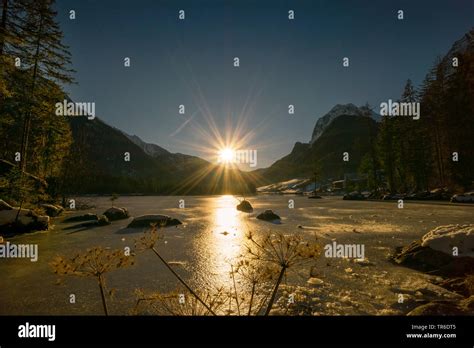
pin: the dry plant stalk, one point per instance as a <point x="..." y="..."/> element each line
<point x="169" y="304"/>
<point x="94" y="262"/>
<point x="257" y="276"/>
<point x="148" y="241"/>
<point x="283" y="251"/>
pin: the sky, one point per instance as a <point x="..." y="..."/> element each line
<point x="190" y="62"/>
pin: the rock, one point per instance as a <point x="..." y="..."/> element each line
<point x="315" y="281"/>
<point x="363" y="262"/>
<point x="393" y="197"/>
<point x="419" y="294"/>
<point x="419" y="196"/>
<point x="408" y="304"/>
<point x="314" y="196"/>
<point x="440" y="194"/>
<point x="52" y="210"/>
<point x="346" y="300"/>
<point x="444" y="238"/>
<point x="467" y="305"/>
<point x="4" y="205"/>
<point x="160" y="220"/>
<point x="437" y="308"/>
<point x="268" y="215"/>
<point x="103" y="221"/>
<point x="437" y="262"/>
<point x="85" y="217"/>
<point x="429" y="291"/>
<point x="115" y="213"/>
<point x="458" y="285"/>
<point x="28" y="221"/>
<point x="354" y="196"/>
<point x="463" y="198"/>
<point x="245" y="206"/>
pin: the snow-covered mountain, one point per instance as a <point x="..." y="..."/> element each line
<point x="339" y="110"/>
<point x="152" y="150"/>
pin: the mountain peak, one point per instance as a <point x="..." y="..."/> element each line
<point x="152" y="150"/>
<point x="344" y="107"/>
<point x="339" y="110"/>
<point x="464" y="44"/>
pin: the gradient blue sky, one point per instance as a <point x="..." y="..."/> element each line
<point x="281" y="62"/>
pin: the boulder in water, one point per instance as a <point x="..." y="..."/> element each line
<point x="52" y="210"/>
<point x="100" y="220"/>
<point x="245" y="206"/>
<point x="434" y="252"/>
<point x="445" y="238"/>
<point x="115" y="213"/>
<point x="4" y="205"/>
<point x="159" y="220"/>
<point x="103" y="220"/>
<point x="268" y="215"/>
<point x="85" y="217"/>
<point x="354" y="196"/>
<point x="463" y="198"/>
<point x="28" y="221"/>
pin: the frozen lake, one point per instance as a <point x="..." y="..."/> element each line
<point x="212" y="237"/>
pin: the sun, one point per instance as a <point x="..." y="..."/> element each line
<point x="226" y="155"/>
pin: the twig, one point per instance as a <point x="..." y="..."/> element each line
<point x="183" y="282"/>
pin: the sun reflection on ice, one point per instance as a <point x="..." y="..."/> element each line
<point x="225" y="238"/>
<point x="226" y="215"/>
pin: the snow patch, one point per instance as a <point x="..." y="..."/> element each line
<point x="445" y="238"/>
<point x="339" y="110"/>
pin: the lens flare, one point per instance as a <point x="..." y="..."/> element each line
<point x="226" y="155"/>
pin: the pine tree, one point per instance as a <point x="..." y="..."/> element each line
<point x="385" y="151"/>
<point x="28" y="123"/>
<point x="44" y="57"/>
<point x="459" y="125"/>
<point x="372" y="155"/>
<point x="3" y="39"/>
<point x="11" y="18"/>
<point x="11" y="12"/>
<point x="433" y="105"/>
<point x="414" y="144"/>
<point x="403" y="129"/>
